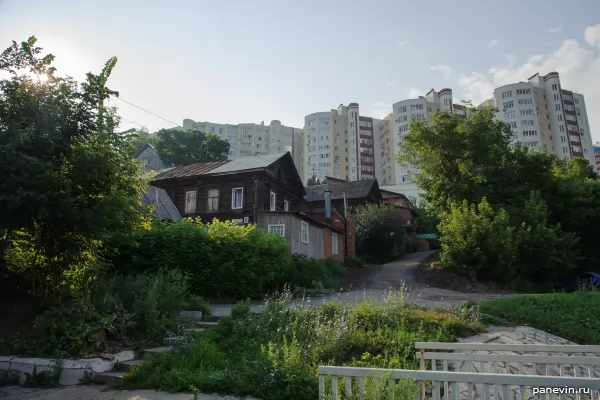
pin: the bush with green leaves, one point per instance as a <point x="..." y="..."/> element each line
<point x="274" y="354"/>
<point x="379" y="231"/>
<point x="309" y="272"/>
<point x="223" y="259"/>
<point x="121" y="309"/>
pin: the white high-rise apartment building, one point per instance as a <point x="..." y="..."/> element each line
<point x="545" y="116"/>
<point x="339" y="143"/>
<point x="393" y="128"/>
<point x="254" y="139"/>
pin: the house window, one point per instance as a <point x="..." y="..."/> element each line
<point x="276" y="230"/>
<point x="334" y="243"/>
<point x="286" y="205"/>
<point x="190" y="202"/>
<point x="304" y="232"/>
<point x="213" y="200"/>
<point x="237" y="198"/>
<point x="272" y="201"/>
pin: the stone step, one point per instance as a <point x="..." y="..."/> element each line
<point x="156" y="350"/>
<point x="206" y="324"/>
<point x="170" y="341"/>
<point x="189" y="331"/>
<point x="127" y="365"/>
<point x="195" y="315"/>
<point x="108" y="378"/>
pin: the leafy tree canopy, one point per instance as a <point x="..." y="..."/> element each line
<point x="313" y="181"/>
<point x="67" y="179"/>
<point x="179" y="147"/>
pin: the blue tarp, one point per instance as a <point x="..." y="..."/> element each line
<point x="429" y="236"/>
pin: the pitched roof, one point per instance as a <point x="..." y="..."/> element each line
<point x="160" y="200"/>
<point x="353" y="189"/>
<point x="248" y="163"/>
<point x="389" y="193"/>
<point x="221" y="167"/>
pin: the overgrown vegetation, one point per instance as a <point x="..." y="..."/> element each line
<point x="116" y="311"/>
<point x="381" y="234"/>
<point x="507" y="213"/>
<point x="571" y="316"/>
<point x="274" y="354"/>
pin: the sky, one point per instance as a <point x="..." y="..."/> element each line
<point x="238" y="61"/>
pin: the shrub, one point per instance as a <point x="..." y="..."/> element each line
<point x="312" y="273"/>
<point x="222" y="258"/>
<point x="121" y="308"/>
<point x="275" y="354"/>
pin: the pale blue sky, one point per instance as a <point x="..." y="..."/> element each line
<point x="248" y="61"/>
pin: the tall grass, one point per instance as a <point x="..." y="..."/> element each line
<point x="274" y="354"/>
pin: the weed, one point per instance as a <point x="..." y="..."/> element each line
<point x="9" y="377"/>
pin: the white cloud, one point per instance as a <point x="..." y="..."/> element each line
<point x="380" y="110"/>
<point x="577" y="63"/>
<point x="555" y="30"/>
<point x="414" y="93"/>
<point x="493" y="43"/>
<point x="445" y="70"/>
<point x="592" y="35"/>
<point x="402" y="44"/>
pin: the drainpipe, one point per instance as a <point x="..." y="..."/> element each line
<point x="328" y="206"/>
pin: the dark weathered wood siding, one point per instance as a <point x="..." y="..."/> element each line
<point x="292" y="222"/>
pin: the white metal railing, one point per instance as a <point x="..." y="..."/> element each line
<point x="495" y="386"/>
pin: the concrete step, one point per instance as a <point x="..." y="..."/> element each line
<point x="192" y="330"/>
<point x="170" y="341"/>
<point x="127" y="365"/>
<point x="108" y="378"/>
<point x="206" y="324"/>
<point x="156" y="350"/>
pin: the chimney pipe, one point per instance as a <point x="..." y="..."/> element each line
<point x="328" y="206"/>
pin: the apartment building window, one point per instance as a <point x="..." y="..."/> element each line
<point x="530" y="133"/>
<point x="406" y="178"/>
<point x="569" y="107"/>
<point x="564" y="150"/>
<point x="523" y="91"/>
<point x="561" y="128"/>
<point x="572" y="128"/>
<point x="528" y="122"/>
<point x="525" y="101"/>
<point x="556" y="97"/>
<point x="571" y="118"/>
<point x="417" y="116"/>
<point x="304" y="232"/>
<point x="527" y="111"/>
<point x="402" y="118"/>
<point x="506" y="95"/>
<point x="416" y="107"/>
<point x="286" y="205"/>
<point x="213" y="200"/>
<point x="560" y="118"/>
<point x="272" y="201"/>
<point x="402" y="109"/>
<point x="220" y="131"/>
<point x="334" y="243"/>
<point x="509" y="115"/>
<point x="403" y="128"/>
<point x="554" y="86"/>
<point x="576" y="101"/>
<point x="513" y="124"/>
<point x="508" y="104"/>
<point x="237" y="198"/>
<point x="578" y="111"/>
<point x="276" y="229"/>
<point x="567" y="97"/>
<point x="190" y="201"/>
<point x="557" y="107"/>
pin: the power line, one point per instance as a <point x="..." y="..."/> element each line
<point x="149" y="112"/>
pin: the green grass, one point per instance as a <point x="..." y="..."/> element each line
<point x="573" y="316"/>
<point x="275" y="354"/>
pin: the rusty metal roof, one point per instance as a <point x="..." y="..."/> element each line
<point x="248" y="163"/>
<point x="189" y="170"/>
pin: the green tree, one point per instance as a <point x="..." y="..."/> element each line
<point x="313" y="181"/>
<point x="179" y="147"/>
<point x="428" y="220"/>
<point x="67" y="179"/>
<point x="141" y="137"/>
<point x="379" y="228"/>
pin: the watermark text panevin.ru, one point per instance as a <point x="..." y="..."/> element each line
<point x="565" y="390"/>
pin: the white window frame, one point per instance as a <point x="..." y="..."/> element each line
<point x="334" y="243"/>
<point x="272" y="201"/>
<point x="271" y="230"/>
<point x="233" y="207"/>
<point x="188" y="208"/>
<point x="208" y="202"/>
<point x="304" y="228"/>
<point x="286" y="205"/>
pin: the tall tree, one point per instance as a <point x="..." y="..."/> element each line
<point x="179" y="147"/>
<point x="142" y="137"/>
<point x="67" y="179"/>
<point x="313" y="181"/>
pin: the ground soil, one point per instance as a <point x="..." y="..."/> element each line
<point x="431" y="274"/>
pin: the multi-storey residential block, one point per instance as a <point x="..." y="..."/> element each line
<point x="597" y="157"/>
<point x="255" y="139"/>
<point x="339" y="143"/>
<point x="545" y="116"/>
